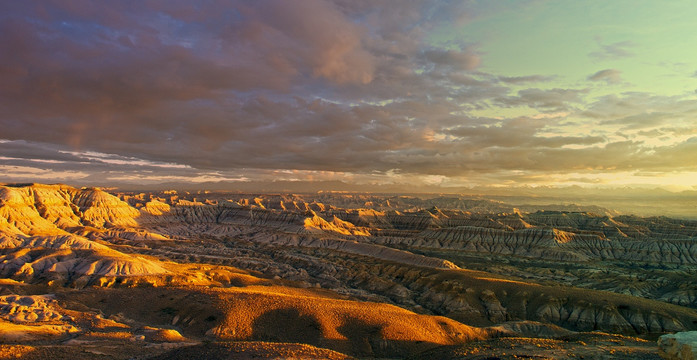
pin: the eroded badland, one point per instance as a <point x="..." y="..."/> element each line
<point x="91" y="274"/>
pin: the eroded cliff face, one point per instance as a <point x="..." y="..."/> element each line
<point x="40" y="209"/>
<point x="40" y="229"/>
<point x="412" y="253"/>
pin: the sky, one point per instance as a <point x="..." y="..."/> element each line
<point x="424" y="93"/>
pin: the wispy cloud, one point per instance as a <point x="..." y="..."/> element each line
<point x="616" y="50"/>
<point x="610" y="76"/>
<point x="525" y="79"/>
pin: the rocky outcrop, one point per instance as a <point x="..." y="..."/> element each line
<point x="678" y="346"/>
<point x="20" y="215"/>
<point x="552" y="244"/>
<point x="29" y="309"/>
<point x="35" y="234"/>
<point x="534" y="242"/>
<point x="337" y="225"/>
<point x="42" y="209"/>
<point x="101" y="209"/>
<point x="354" y="247"/>
<point x="533" y="329"/>
<point x="67" y="265"/>
<point x="458" y="224"/>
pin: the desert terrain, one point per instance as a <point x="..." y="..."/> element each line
<point x="101" y="274"/>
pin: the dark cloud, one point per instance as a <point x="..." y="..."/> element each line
<point x="35" y="151"/>
<point x="222" y="85"/>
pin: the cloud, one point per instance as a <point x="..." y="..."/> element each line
<point x="458" y="60"/>
<point x="610" y="76"/>
<point x="616" y="50"/>
<point x="311" y="33"/>
<point x="157" y="90"/>
<point x="642" y="111"/>
<point x="641" y="120"/>
<point x="553" y="100"/>
<point x="521" y="133"/>
<point x="525" y="79"/>
<point x="28" y="174"/>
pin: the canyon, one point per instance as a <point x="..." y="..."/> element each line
<point x="113" y="274"/>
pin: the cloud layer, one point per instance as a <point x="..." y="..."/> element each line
<point x="315" y="89"/>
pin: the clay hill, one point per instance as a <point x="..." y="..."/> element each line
<point x="91" y="274"/>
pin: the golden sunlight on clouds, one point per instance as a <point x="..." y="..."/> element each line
<point x="26" y="173"/>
